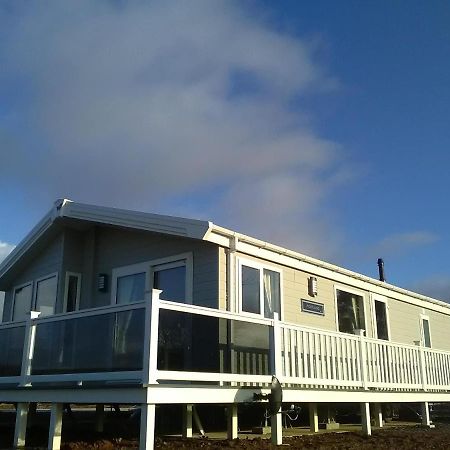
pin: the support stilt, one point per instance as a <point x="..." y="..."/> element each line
<point x="99" y="418"/>
<point x="147" y="432"/>
<point x="425" y="410"/>
<point x="378" y="415"/>
<point x="277" y="429"/>
<point x="197" y="421"/>
<point x="54" y="434"/>
<point x="187" y="421"/>
<point x="21" y="424"/>
<point x="232" y="426"/>
<point x="313" y="418"/>
<point x="365" y="419"/>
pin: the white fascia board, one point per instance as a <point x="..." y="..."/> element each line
<point x="270" y="252"/>
<point x="176" y="226"/>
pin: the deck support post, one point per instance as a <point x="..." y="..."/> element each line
<point x="425" y="410"/>
<point x="99" y="418"/>
<point x="54" y="433"/>
<point x="313" y="418"/>
<point x="232" y="422"/>
<point x="276" y="421"/>
<point x="365" y="418"/>
<point x="187" y="421"/>
<point x="378" y="415"/>
<point x="20" y="428"/>
<point x="276" y="429"/>
<point x="197" y="421"/>
<point x="147" y="431"/>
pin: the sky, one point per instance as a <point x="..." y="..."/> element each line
<point x="321" y="126"/>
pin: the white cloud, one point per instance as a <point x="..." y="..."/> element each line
<point x="5" y="250"/>
<point x="400" y="243"/>
<point x="136" y="104"/>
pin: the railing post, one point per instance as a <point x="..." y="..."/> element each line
<point x="423" y="370"/>
<point x="276" y="366"/>
<point x="28" y="348"/>
<point x="362" y="358"/>
<point x="150" y="364"/>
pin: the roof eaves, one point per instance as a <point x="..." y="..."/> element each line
<point x="171" y="225"/>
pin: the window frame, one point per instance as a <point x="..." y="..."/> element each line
<point x="422" y="331"/>
<point x="259" y="266"/>
<point x="13" y="304"/>
<point x="350" y="290"/>
<point x="148" y="267"/>
<point x="66" y="290"/>
<point x="382" y="299"/>
<point x="35" y="290"/>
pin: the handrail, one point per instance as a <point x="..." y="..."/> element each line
<point x="6" y="325"/>
<point x="211" y="312"/>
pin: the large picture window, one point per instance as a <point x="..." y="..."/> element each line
<point x="259" y="289"/>
<point x="350" y="311"/>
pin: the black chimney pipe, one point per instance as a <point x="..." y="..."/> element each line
<point x="381" y="269"/>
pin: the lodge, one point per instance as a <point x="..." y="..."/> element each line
<point x="109" y="306"/>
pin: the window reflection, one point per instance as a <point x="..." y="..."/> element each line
<point x="172" y="282"/>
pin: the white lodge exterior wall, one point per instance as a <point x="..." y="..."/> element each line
<point x="404" y="319"/>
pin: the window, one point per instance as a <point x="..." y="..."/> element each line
<point x="72" y="292"/>
<point x="380" y="318"/>
<point x="426" y="334"/>
<point x="45" y="297"/>
<point x="130" y="288"/>
<point x="172" y="275"/>
<point x="22" y="301"/>
<point x="350" y="311"/>
<point x="259" y="289"/>
<point x="171" y="279"/>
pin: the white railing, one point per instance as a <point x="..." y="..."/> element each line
<point x="138" y="345"/>
<point x="304" y="357"/>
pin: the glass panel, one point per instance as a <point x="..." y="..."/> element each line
<point x="72" y="293"/>
<point x="102" y="343"/>
<point x="172" y="282"/>
<point x="250" y="290"/>
<point x="271" y="293"/>
<point x="426" y="333"/>
<point x="22" y="302"/>
<point x="381" y="318"/>
<point x="207" y="344"/>
<point x="131" y="288"/>
<point x="46" y="296"/>
<point x="350" y="312"/>
<point x="11" y="350"/>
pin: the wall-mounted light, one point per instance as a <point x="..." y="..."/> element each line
<point x="312" y="286"/>
<point x="102" y="282"/>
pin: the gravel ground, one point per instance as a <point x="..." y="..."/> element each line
<point x="402" y="437"/>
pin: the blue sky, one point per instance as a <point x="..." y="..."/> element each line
<point x="322" y="126"/>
